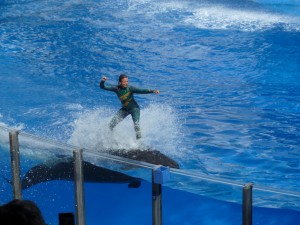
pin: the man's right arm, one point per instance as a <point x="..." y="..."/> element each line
<point x="106" y="87"/>
<point x="101" y="84"/>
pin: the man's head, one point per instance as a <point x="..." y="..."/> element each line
<point x="123" y="81"/>
<point x="21" y="212"/>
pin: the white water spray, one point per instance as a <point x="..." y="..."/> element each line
<point x="160" y="129"/>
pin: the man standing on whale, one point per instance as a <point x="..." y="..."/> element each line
<point x="129" y="105"/>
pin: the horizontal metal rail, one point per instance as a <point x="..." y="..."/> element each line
<point x="156" y="187"/>
<point x="197" y="175"/>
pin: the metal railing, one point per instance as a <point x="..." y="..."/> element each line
<point x="79" y="182"/>
<point x="159" y="176"/>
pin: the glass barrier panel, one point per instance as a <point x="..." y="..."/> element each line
<point x="194" y="199"/>
<point x="117" y="191"/>
<point x="6" y="191"/>
<point x="275" y="206"/>
<point x="47" y="176"/>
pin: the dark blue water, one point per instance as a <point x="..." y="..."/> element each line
<point x="228" y="72"/>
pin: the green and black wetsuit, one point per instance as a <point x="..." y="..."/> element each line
<point x="129" y="105"/>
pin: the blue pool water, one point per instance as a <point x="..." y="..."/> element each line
<point x="228" y="72"/>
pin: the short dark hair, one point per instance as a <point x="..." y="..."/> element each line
<point x="21" y="212"/>
<point x="122" y="76"/>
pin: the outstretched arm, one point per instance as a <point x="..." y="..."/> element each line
<point x="143" y="91"/>
<point x="101" y="83"/>
<point x="105" y="87"/>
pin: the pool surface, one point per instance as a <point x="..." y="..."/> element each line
<point x="228" y="73"/>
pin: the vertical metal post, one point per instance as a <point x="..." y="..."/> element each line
<point x="247" y="204"/>
<point x="79" y="187"/>
<point x="15" y="164"/>
<point x="156" y="202"/>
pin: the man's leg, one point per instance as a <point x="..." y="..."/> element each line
<point x="120" y="115"/>
<point x="135" y="113"/>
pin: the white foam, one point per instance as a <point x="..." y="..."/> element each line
<point x="207" y="15"/>
<point x="159" y="126"/>
<point x="204" y="14"/>
<point x="285" y="2"/>
<point x="221" y="17"/>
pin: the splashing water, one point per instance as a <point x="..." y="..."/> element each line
<point x="159" y="125"/>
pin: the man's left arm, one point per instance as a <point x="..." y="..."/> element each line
<point x="143" y="91"/>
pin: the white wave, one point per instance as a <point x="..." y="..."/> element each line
<point x="207" y="15"/>
<point x="221" y="17"/>
<point x="284" y="2"/>
<point x="74" y="106"/>
<point x="203" y="14"/>
<point x="154" y="7"/>
<point x="159" y="126"/>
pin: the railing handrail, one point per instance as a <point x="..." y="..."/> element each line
<point x="182" y="172"/>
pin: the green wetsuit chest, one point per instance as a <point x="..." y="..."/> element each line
<point x="125" y="95"/>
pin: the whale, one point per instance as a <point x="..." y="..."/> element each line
<point x="146" y="154"/>
<point x="63" y="169"/>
